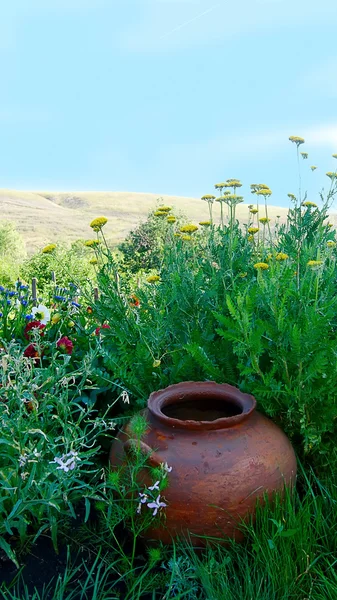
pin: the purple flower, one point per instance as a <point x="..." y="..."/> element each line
<point x="143" y="498"/>
<point x="157" y="505"/>
<point x="155" y="486"/>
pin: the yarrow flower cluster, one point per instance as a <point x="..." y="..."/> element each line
<point x="153" y="279"/>
<point x="98" y="223"/>
<point x="296" y="140"/>
<point x="48" y="249"/>
<point x="92" y="243"/>
<point x="188" y="228"/>
<point x="261" y="266"/>
<point x="314" y="263"/>
<point x="309" y="204"/>
<point x="281" y="256"/>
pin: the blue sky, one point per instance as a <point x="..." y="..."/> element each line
<point x="167" y="96"/>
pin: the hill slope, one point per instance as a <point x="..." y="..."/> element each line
<point x="44" y="217"/>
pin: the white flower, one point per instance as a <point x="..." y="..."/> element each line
<point x="23" y="459"/>
<point x="139" y="508"/>
<point x="155" y="486"/>
<point x="41" y="313"/>
<point x="166" y="468"/>
<point x="157" y="505"/>
<point x="67" y="462"/>
<point x="125" y="397"/>
<point x="143" y="498"/>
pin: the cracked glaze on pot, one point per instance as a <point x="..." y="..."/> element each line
<point x="223" y="454"/>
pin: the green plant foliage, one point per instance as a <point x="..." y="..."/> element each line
<point x="68" y="264"/>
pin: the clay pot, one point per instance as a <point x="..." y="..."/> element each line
<point x="223" y="453"/>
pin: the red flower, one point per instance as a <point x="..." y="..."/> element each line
<point x="98" y="329"/>
<point x="32" y="325"/>
<point x="31" y="352"/>
<point x="65" y="344"/>
<point x="134" y="300"/>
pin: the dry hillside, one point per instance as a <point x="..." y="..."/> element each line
<point x="43" y="217"/>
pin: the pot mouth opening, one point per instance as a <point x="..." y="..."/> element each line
<point x="202" y="409"/>
<point x="201" y="405"/>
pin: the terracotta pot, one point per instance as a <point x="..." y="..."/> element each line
<point x="223" y="453"/>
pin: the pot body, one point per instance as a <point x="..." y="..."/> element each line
<point x="223" y="459"/>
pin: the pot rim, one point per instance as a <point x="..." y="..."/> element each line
<point x="186" y="390"/>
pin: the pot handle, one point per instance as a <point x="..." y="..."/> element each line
<point x="152" y="457"/>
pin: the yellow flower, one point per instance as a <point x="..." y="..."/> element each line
<point x="250" y="238"/>
<point x="171" y="219"/>
<point x="71" y="324"/>
<point x="159" y="213"/>
<point x="93" y="261"/>
<point x="281" y="256"/>
<point x="48" y="249"/>
<point x="292" y="196"/>
<point x="331" y="244"/>
<point x="208" y="198"/>
<point x="331" y="175"/>
<point x="242" y="275"/>
<point x="92" y="243"/>
<point x="233" y="199"/>
<point x="264" y="220"/>
<point x="264" y="192"/>
<point x="253" y="229"/>
<point x="177" y="235"/>
<point x="98" y="223"/>
<point x="166" y="209"/>
<point x="218" y="186"/>
<point x="330" y="224"/>
<point x="314" y="263"/>
<point x="222" y="198"/>
<point x="205" y="223"/>
<point x="334" y="156"/>
<point x="254" y="211"/>
<point x="313" y="168"/>
<point x="187" y="238"/>
<point x="261" y="266"/>
<point x="55" y="318"/>
<point x="188" y="228"/>
<point x="296" y="140"/>
<point x="309" y="204"/>
<point x="156" y="363"/>
<point x="153" y="278"/>
<point x="304" y="154"/>
<point x="234" y="182"/>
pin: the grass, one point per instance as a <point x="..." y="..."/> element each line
<point x="45" y="217"/>
<point x="289" y="554"/>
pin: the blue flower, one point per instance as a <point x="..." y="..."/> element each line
<point x="28" y="317"/>
<point x="8" y="302"/>
<point x="60" y="298"/>
<point x="24" y="302"/>
<point x="2" y="289"/>
<point x="23" y="287"/>
<point x="0" y="314"/>
<point x="11" y="294"/>
<point x="76" y="304"/>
